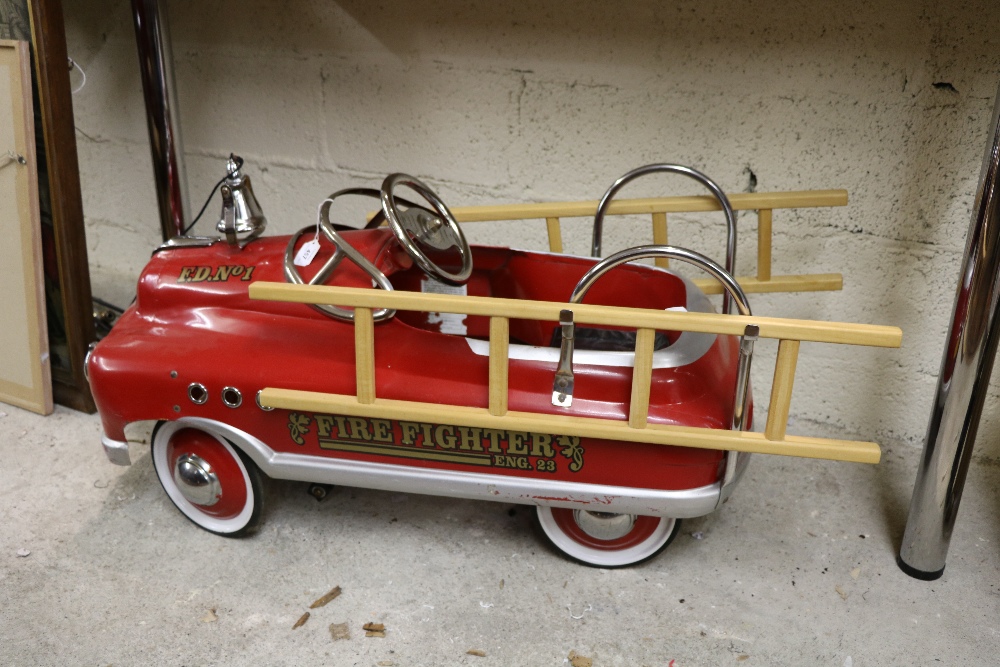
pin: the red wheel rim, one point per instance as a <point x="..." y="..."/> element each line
<point x="642" y="530"/>
<point x="233" y="498"/>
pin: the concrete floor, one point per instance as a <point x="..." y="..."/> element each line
<point x="798" y="569"/>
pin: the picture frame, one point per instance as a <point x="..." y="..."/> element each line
<point x="67" y="273"/>
<point x="25" y="378"/>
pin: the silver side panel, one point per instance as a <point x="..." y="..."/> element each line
<point x="388" y="477"/>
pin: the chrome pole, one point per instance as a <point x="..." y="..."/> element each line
<point x="152" y="38"/>
<point x="969" y="353"/>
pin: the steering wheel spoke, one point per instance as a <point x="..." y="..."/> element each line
<point x="341" y="249"/>
<point x="424" y="233"/>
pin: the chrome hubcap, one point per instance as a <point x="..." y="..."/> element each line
<point x="196" y="480"/>
<point x="604" y="525"/>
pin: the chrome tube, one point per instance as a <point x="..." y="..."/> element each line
<point x="709" y="266"/>
<point x="735" y="461"/>
<point x="662" y="251"/>
<point x="727" y="208"/>
<point x="750" y="335"/>
<point x="562" y="386"/>
<point x="152" y="39"/>
<point x="970" y="350"/>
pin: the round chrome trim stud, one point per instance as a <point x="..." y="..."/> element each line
<point x="259" y="404"/>
<point x="197" y="393"/>
<point x="604" y="525"/>
<point x="196" y="480"/>
<point x="232" y="397"/>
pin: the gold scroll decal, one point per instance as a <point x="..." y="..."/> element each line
<point x="487" y="447"/>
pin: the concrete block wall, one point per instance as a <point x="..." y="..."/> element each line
<point x="493" y="102"/>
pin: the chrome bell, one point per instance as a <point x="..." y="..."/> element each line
<point x="242" y="220"/>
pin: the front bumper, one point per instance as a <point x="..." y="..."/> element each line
<point x="117" y="451"/>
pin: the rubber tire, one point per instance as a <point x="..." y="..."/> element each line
<point x="247" y="522"/>
<point x="607" y="556"/>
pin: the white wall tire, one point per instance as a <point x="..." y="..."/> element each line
<point x="641" y="540"/>
<point x="235" y="508"/>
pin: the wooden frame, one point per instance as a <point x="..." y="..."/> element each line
<point x="773" y="441"/>
<point x="71" y="289"/>
<point x="25" y="380"/>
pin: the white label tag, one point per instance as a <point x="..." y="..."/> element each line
<point x="430" y="286"/>
<point x="306" y="253"/>
<point x="451" y="323"/>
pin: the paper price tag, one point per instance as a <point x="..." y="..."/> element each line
<point x="306" y="253"/>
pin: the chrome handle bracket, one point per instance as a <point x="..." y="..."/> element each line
<point x="562" y="385"/>
<point x="750" y="335"/>
<point x="733" y="458"/>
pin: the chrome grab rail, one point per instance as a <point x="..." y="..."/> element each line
<point x="712" y="186"/>
<point x="562" y="388"/>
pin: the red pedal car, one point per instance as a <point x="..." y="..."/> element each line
<point x="519" y="405"/>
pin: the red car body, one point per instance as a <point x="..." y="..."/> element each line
<point x="193" y="351"/>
